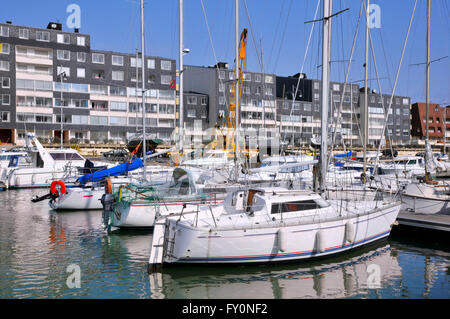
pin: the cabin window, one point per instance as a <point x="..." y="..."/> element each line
<point x="294" y="206"/>
<point x="66" y="156"/>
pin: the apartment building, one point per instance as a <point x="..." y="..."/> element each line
<point x="50" y="77"/>
<point x="257" y="109"/>
<point x="438" y="121"/>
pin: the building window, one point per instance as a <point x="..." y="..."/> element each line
<point x="81" y="57"/>
<point x="4" y="31"/>
<point x="316" y="96"/>
<point x="222" y="75"/>
<point x="191" y="113"/>
<point x="24" y="34"/>
<point x="5" y="83"/>
<point x="257" y="77"/>
<point x="405" y="101"/>
<point x="307" y="107"/>
<point x="203" y="100"/>
<point x="166" y="65"/>
<point x="221" y="100"/>
<point x="335" y="87"/>
<point x="4" y="48"/>
<point x="165" y="79"/>
<point x="43" y="36"/>
<point x="247" y="77"/>
<point x="81" y="41"/>
<point x="81" y="73"/>
<point x="117" y="75"/>
<point x="63" y="38"/>
<point x="63" y="54"/>
<point x="151" y="63"/>
<point x="151" y="79"/>
<point x="316" y="85"/>
<point x="192" y="100"/>
<point x="221" y="87"/>
<point x="61" y="69"/>
<point x="269" y="79"/>
<point x="5" y="99"/>
<point x="117" y="60"/>
<point x="98" y="58"/>
<point x="4" y="116"/>
<point x="269" y="91"/>
<point x="133" y="62"/>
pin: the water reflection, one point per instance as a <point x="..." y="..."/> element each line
<point x="340" y="277"/>
<point x="38" y="244"/>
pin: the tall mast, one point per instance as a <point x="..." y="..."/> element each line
<point x="236" y="77"/>
<point x="144" y="137"/>
<point x="181" y="47"/>
<point x="366" y="98"/>
<point x="326" y="42"/>
<point x="427" y="88"/>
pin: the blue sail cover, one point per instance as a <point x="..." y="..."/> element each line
<point x="113" y="171"/>
<point x="344" y="155"/>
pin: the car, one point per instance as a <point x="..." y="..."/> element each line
<point x="120" y="153"/>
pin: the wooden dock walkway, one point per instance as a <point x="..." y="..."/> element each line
<point x="435" y="222"/>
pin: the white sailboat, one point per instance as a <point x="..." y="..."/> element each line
<point x="274" y="224"/>
<point x="427" y="196"/>
<point x="46" y="166"/>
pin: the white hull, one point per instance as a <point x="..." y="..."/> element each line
<point x="301" y="240"/>
<point x="79" y="199"/>
<point x="426" y="199"/>
<point x="426" y="206"/>
<point x="31" y="177"/>
<point x="144" y="213"/>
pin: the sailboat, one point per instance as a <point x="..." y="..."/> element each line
<point x="273" y="224"/>
<point x="427" y="196"/>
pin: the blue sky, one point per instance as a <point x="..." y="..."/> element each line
<point x="276" y="25"/>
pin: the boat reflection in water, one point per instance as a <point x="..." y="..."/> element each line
<point x="351" y="275"/>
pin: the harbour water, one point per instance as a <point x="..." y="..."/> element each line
<point x="40" y="250"/>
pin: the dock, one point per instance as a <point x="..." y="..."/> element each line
<point x="433" y="222"/>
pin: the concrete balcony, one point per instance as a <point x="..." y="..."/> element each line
<point x="33" y="59"/>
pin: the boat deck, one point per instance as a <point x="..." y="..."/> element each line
<point x="435" y="222"/>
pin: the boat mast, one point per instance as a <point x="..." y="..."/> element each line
<point x="181" y="48"/>
<point x="326" y="43"/>
<point x="144" y="137"/>
<point x="427" y="174"/>
<point x="366" y="98"/>
<point x="236" y="76"/>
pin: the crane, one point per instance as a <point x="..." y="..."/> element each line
<point x="240" y="64"/>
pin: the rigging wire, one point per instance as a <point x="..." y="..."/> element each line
<point x="282" y="38"/>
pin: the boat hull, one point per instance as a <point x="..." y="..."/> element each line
<point x="263" y="245"/>
<point x="79" y="199"/>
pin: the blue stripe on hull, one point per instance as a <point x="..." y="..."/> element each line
<point x="268" y="258"/>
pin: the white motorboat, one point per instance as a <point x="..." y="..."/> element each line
<point x="427" y="198"/>
<point x="14" y="159"/>
<point x="47" y="166"/>
<point x="405" y="166"/>
<point x="270" y="225"/>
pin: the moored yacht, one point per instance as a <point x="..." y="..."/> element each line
<point x="270" y="225"/>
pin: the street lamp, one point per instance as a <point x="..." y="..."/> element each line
<point x="62" y="76"/>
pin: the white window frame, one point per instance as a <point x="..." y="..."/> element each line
<point x="2" y="31"/>
<point x="81" y="41"/>
<point x="81" y="71"/>
<point x="61" y="69"/>
<point x="42" y="33"/>
<point x="9" y="82"/>
<point x="115" y="77"/>
<point x="151" y="63"/>
<point x="2" y="64"/>
<point x="164" y="79"/>
<point x="62" y="37"/>
<point x="118" y="60"/>
<point x="98" y="55"/>
<point x="166" y="65"/>
<point x="3" y="99"/>
<point x="5" y="45"/>
<point x="63" y="54"/>
<point x="81" y="54"/>
<point x="22" y="33"/>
